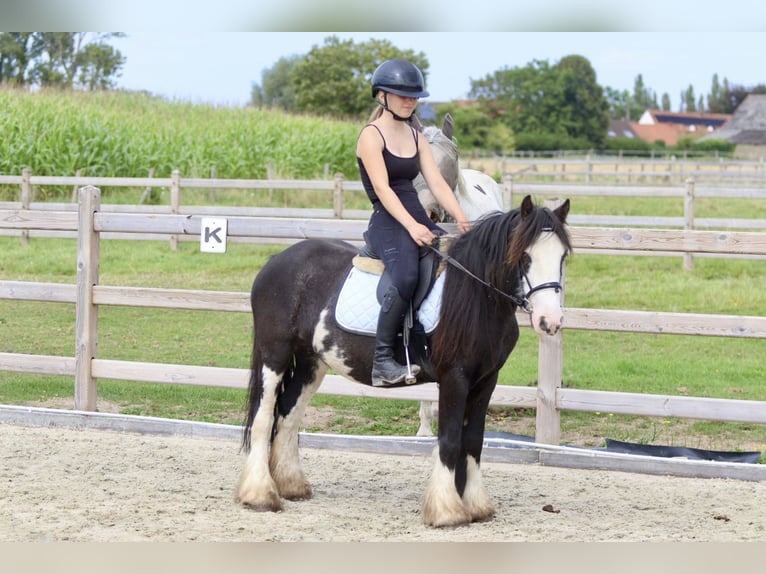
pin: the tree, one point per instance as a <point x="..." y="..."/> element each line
<point x="15" y="55"/>
<point x="59" y="59"/>
<point x="665" y="102"/>
<point x="588" y="109"/>
<point x="688" y="102"/>
<point x="618" y="102"/>
<point x="335" y="78"/>
<point x="643" y="99"/>
<point x="277" y="89"/>
<point x="474" y="128"/>
<point x="563" y="100"/>
<point x="99" y="66"/>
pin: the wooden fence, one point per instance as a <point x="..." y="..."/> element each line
<point x="589" y="168"/>
<point x="689" y="189"/>
<point x="90" y="222"/>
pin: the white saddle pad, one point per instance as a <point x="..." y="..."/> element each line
<point x="357" y="308"/>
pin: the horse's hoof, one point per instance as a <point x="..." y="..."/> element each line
<point x="259" y="499"/>
<point x="268" y="506"/>
<point x="460" y="519"/>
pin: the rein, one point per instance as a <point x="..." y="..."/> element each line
<point x="523" y="303"/>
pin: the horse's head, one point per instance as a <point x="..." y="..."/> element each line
<point x="446" y="156"/>
<point x="539" y="247"/>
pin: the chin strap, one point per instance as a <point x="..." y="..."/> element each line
<point x="397" y="117"/>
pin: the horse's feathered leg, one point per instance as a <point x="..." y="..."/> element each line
<point x="443" y="504"/>
<point x="285" y="461"/>
<point x="475" y="497"/>
<point x="257" y="489"/>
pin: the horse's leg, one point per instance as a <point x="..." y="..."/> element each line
<point x="257" y="488"/>
<point x="475" y="497"/>
<point x="443" y="504"/>
<point x="285" y="460"/>
<point x="428" y="409"/>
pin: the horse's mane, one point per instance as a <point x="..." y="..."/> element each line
<point x="473" y="315"/>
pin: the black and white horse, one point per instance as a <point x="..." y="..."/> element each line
<point x="505" y="261"/>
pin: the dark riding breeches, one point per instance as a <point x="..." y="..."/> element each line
<point x="400" y="254"/>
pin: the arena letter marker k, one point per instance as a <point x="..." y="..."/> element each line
<point x="212" y="238"/>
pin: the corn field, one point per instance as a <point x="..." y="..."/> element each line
<point x="126" y="134"/>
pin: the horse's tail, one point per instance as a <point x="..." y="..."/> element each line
<point x="255" y="393"/>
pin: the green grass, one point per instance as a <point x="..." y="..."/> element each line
<point x="628" y="362"/>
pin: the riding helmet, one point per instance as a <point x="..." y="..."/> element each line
<point x="399" y="77"/>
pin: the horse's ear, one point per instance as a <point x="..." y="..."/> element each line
<point x="562" y="211"/>
<point x="527" y="205"/>
<point x="415" y="122"/>
<point x="448" y="126"/>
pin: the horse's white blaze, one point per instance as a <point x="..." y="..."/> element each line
<point x="475" y="497"/>
<point x="442" y="506"/>
<point x="546" y="255"/>
<point x="332" y="355"/>
<point x="285" y="460"/>
<point x="256" y="486"/>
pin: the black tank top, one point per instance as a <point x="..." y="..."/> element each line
<point x="401" y="171"/>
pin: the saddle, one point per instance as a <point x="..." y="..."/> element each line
<point x="361" y="294"/>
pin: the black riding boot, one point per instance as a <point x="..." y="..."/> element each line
<point x="385" y="370"/>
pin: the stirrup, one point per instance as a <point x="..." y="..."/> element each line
<point x="408" y="377"/>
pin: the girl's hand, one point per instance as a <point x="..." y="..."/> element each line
<point x="421" y="234"/>
<point x="463" y="226"/>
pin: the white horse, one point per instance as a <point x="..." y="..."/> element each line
<point x="478" y="194"/>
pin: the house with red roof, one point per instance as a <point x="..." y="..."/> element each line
<point x="670" y="127"/>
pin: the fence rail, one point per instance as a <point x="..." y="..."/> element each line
<point x="589" y="168"/>
<point x="689" y="189"/>
<point x="90" y="223"/>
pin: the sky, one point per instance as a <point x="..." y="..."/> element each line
<point x="221" y="67"/>
<point x="212" y="51"/>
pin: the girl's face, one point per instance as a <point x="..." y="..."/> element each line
<point x="403" y="106"/>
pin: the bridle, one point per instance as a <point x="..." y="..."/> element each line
<point x="521" y="302"/>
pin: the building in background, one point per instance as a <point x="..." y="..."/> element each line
<point x="747" y="128"/>
<point x="670" y="127"/>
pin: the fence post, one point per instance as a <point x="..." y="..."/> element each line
<point x="86" y="321"/>
<point x="26" y="199"/>
<point x="507" y="192"/>
<point x="212" y="191"/>
<point x="337" y="197"/>
<point x="175" y="202"/>
<point x="78" y="174"/>
<point x="689" y="220"/>
<point x="147" y="194"/>
<point x="550" y="369"/>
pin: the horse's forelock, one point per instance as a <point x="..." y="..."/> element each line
<point x="529" y="229"/>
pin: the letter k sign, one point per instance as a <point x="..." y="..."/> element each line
<point x="212" y="238"/>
